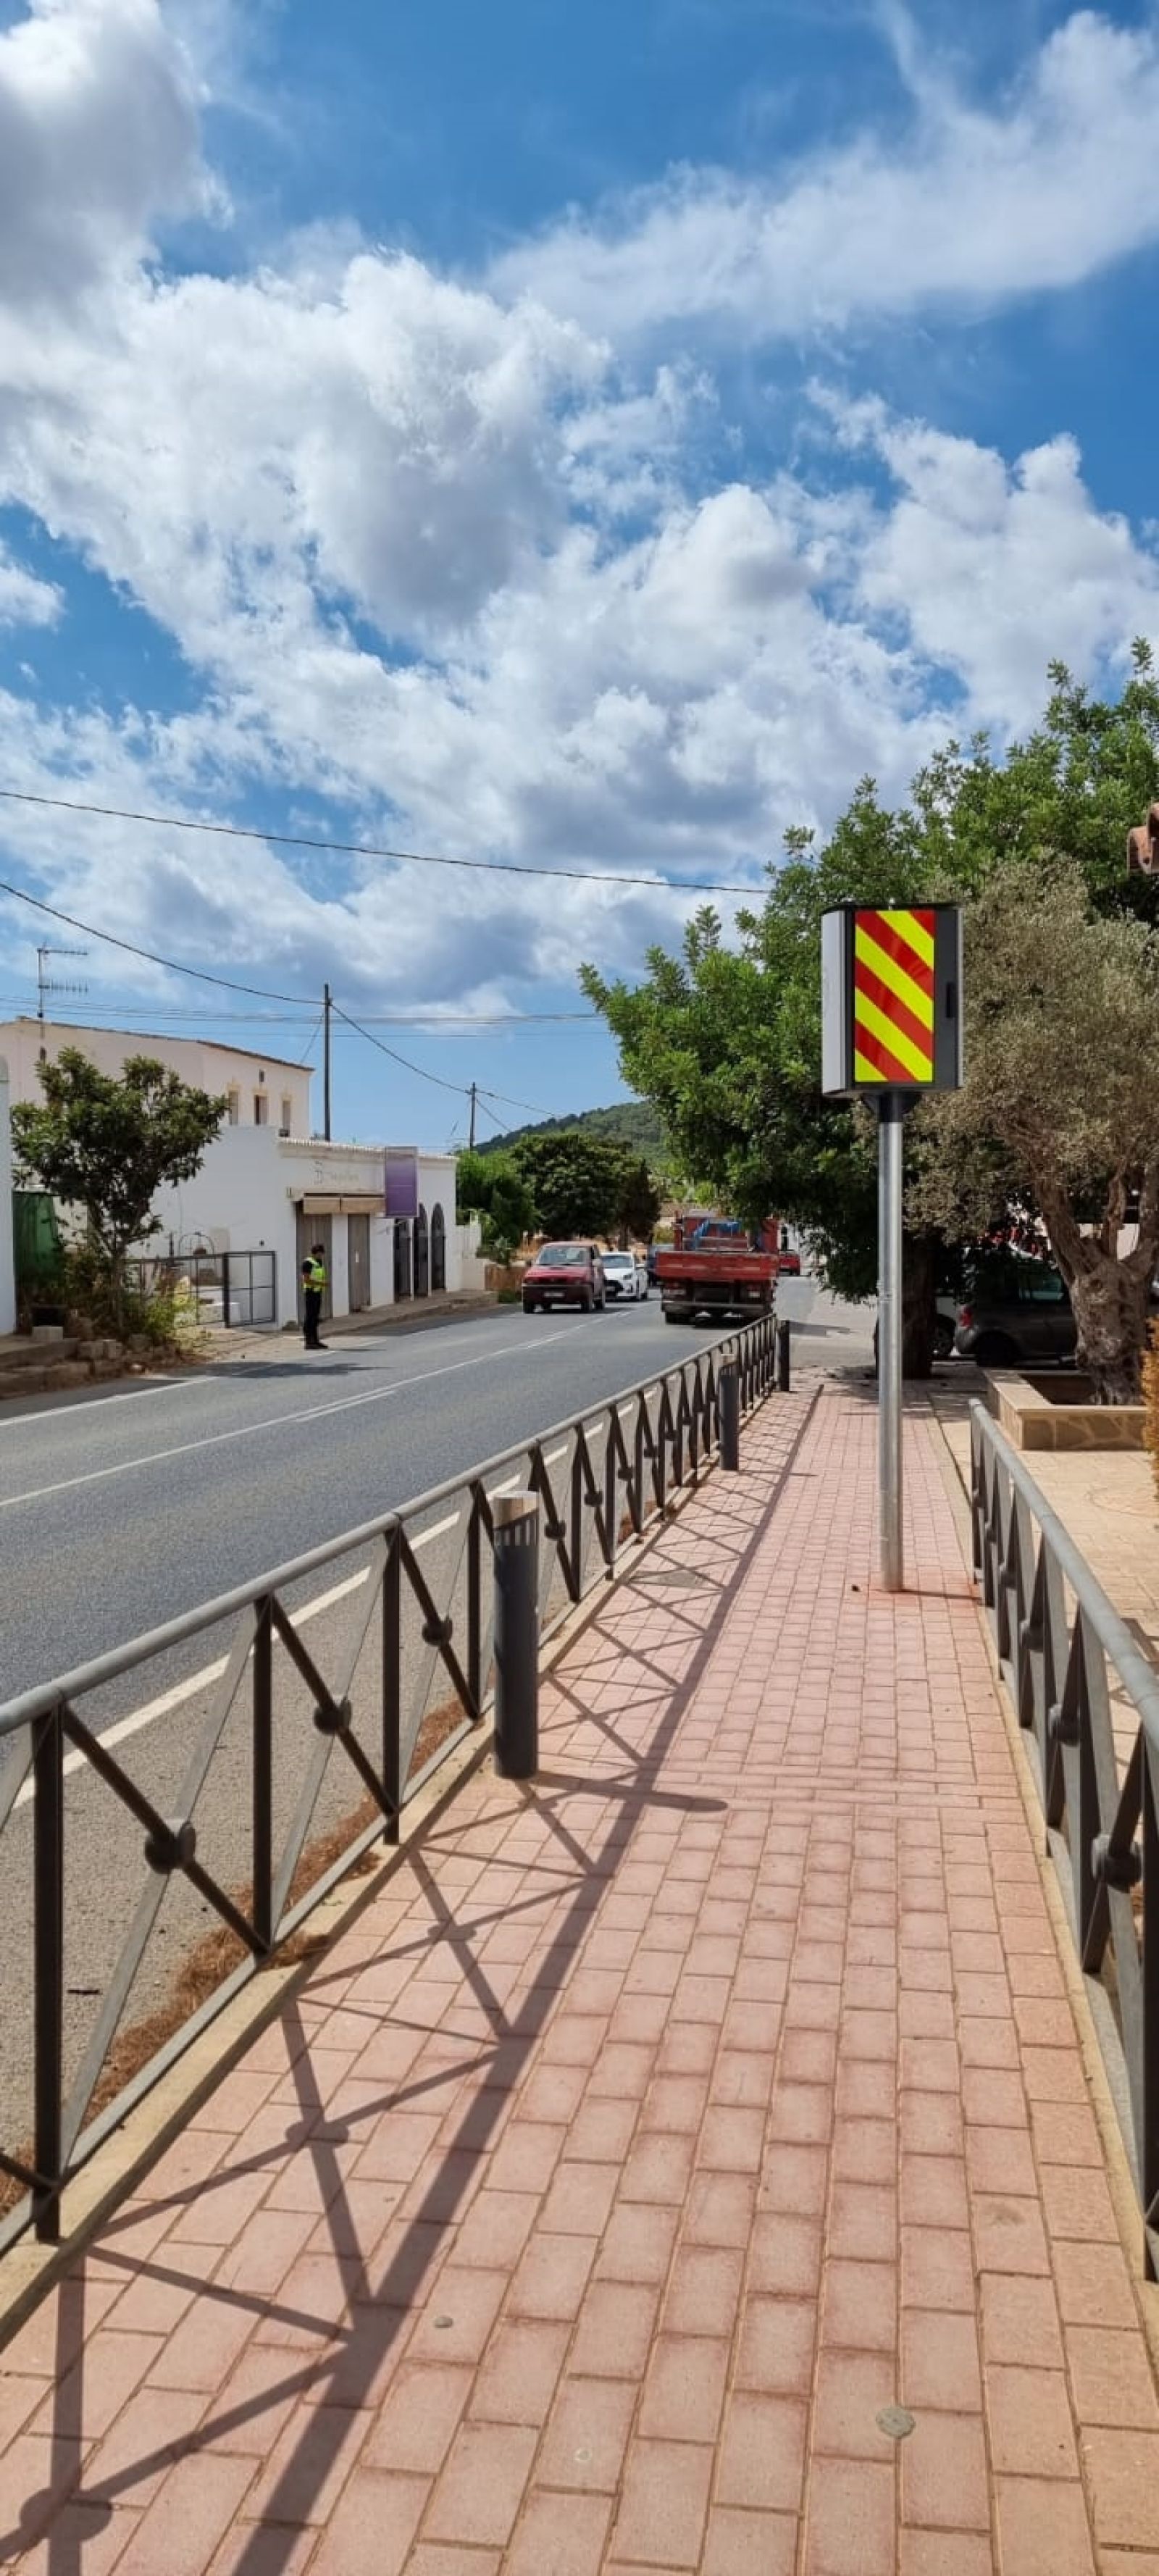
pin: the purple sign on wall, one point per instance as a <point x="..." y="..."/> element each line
<point x="400" y="1192"/>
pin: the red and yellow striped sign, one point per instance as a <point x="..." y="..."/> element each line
<point x="893" y="997"/>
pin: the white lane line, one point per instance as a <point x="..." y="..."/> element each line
<point x="276" y="1422"/>
<point x="209" y="1673"/>
<point x="96" y="1397"/>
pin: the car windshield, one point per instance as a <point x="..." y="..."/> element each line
<point x="618" y="1261"/>
<point x="561" y="1256"/>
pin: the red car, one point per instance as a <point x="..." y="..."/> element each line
<point x="565" y="1274"/>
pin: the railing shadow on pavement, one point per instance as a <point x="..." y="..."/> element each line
<point x="362" y="1708"/>
<point x="1067" y="1656"/>
<point x="339" y="2381"/>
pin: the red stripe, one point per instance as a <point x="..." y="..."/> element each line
<point x="899" y="949"/>
<point x="887" y="1065"/>
<point x="895" y="1011"/>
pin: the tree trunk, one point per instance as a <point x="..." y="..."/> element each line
<point x="1110" y="1301"/>
<point x="919" y="1304"/>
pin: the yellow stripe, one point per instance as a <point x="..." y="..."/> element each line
<point x="864" y="1071"/>
<point x="908" y="927"/>
<point x="883" y="966"/>
<point x="867" y="1016"/>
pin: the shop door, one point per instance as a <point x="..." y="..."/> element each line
<point x="312" y="1230"/>
<point x="358" y="1247"/>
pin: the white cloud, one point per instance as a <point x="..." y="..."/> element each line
<point x="439" y="552"/>
<point x="25" y="601"/>
<point x="995" y="569"/>
<point x="98" y="139"/>
<point x="974" y="207"/>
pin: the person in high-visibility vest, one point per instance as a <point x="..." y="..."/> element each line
<point x="313" y="1291"/>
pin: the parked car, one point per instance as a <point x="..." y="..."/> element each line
<point x="1016" y="1312"/>
<point x="565" y="1274"/>
<point x="625" y="1275"/>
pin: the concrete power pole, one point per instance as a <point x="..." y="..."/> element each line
<point x="474" y="1096"/>
<point x="326" y="1008"/>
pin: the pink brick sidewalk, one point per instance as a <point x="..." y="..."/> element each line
<point x="652" y="2135"/>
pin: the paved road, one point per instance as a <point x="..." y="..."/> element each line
<point x="126" y="1513"/>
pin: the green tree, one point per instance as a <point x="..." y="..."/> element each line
<point x="1061" y="1098"/>
<point x="639" y="1200"/>
<point x="576" y="1181"/>
<point x="725" y="1038"/>
<point x="490" y="1186"/>
<point x="107" y="1145"/>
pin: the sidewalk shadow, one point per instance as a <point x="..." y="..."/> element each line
<point x="337" y="2379"/>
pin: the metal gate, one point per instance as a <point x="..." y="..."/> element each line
<point x="312" y="1230"/>
<point x="402" y="1271"/>
<point x="438" y="1250"/>
<point x="422" y="1256"/>
<point x="358" y="1248"/>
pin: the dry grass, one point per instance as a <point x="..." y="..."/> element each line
<point x="219" y="1952"/>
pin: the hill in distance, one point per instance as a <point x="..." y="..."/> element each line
<point x="634" y="1123"/>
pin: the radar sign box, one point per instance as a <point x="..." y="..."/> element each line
<point x="891" y="1000"/>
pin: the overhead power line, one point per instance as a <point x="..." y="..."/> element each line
<point x="463" y="1089"/>
<point x="370" y="849"/>
<point x="261" y="992"/>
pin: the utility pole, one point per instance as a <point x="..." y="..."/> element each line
<point x="326" y="1009"/>
<point x="474" y="1094"/>
<point x="43" y="985"/>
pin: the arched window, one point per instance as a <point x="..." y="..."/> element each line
<point x="422" y="1255"/>
<point x="438" y="1250"/>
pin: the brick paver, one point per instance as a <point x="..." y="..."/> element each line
<point x="684" y="2164"/>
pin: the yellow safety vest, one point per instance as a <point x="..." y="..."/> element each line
<point x="316" y="1276"/>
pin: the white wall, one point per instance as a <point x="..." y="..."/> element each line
<point x="197" y="1060"/>
<point x="382" y="1261"/>
<point x="7" y="1263"/>
<point x="237" y="1202"/>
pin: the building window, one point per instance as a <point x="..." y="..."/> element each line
<point x="234" y="1112"/>
<point x="261" y="1109"/>
<point x="287" y="1114"/>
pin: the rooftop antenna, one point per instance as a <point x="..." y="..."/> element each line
<point x="44" y="984"/>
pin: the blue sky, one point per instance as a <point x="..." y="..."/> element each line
<point x="589" y="440"/>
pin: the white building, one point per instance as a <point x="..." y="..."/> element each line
<point x="262" y="1090"/>
<point x="267" y="1191"/>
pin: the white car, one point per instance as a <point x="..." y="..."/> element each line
<point x="625" y="1275"/>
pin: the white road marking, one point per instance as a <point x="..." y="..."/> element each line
<point x="97" y="1398"/>
<point x="163" y="1706"/>
<point x="276" y="1422"/>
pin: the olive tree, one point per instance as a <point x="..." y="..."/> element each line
<point x="1061" y="1098"/>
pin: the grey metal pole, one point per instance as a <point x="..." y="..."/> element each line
<point x="515" y="1519"/>
<point x="891" y="1140"/>
<point x="784" y="1356"/>
<point x="728" y="1413"/>
<point x="327" y="1008"/>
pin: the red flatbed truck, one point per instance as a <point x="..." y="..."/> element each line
<point x="711" y="1272"/>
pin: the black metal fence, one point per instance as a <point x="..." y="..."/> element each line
<point x="221" y="1287"/>
<point x="1089" y="1700"/>
<point x="223" y="1806"/>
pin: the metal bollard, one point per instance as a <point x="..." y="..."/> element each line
<point x="728" y="1413"/>
<point x="784" y="1350"/>
<point x="516" y="1527"/>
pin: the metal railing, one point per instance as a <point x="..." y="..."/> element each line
<point x="1071" y="1663"/>
<point x="406" y="1671"/>
<point x="230" y="1287"/>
